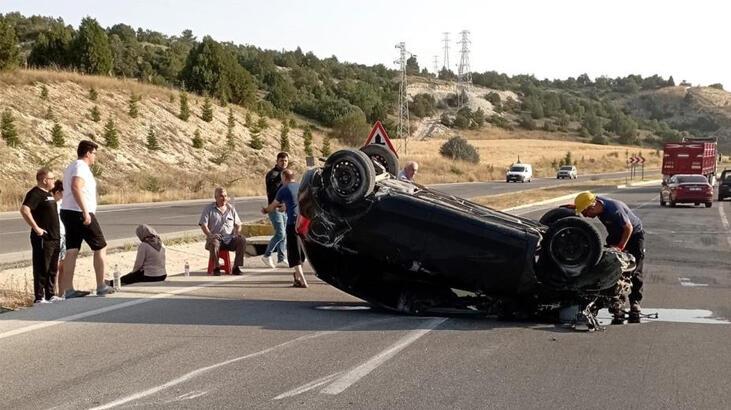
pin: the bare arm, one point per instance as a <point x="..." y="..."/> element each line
<point x="626" y="233"/>
<point x="274" y="205"/>
<point x="25" y="212"/>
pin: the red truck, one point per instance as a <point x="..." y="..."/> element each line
<point x="691" y="156"/>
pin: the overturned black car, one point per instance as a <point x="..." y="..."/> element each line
<point x="405" y="247"/>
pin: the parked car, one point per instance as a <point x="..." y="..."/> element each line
<point x="566" y="171"/>
<point x="724" y="185"/>
<point x="519" y="172"/>
<point x="406" y="247"/>
<point x="686" y="188"/>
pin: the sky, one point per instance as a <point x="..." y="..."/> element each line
<point x="549" y="39"/>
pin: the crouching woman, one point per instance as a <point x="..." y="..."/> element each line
<point x="150" y="262"/>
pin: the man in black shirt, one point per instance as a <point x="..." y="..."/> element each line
<point x="277" y="217"/>
<point x="40" y="213"/>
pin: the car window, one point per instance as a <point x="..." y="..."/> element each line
<point x="567" y="168"/>
<point x="726" y="176"/>
<point x="692" y="178"/>
<point x="517" y="169"/>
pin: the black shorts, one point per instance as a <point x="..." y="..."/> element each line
<point x="295" y="253"/>
<point x="76" y="231"/>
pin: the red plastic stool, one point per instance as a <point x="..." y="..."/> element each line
<point x="222" y="254"/>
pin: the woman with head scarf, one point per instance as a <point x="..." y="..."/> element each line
<point x="150" y="262"/>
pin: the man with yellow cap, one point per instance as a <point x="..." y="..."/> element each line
<point x="625" y="233"/>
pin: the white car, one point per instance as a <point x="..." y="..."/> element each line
<point x="519" y="172"/>
<point x="566" y="171"/>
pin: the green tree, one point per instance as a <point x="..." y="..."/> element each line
<point x="91" y="48"/>
<point x="7" y="129"/>
<point x="284" y="138"/>
<point x="262" y="124"/>
<point x="459" y="148"/>
<point x="94" y="114"/>
<point x="9" y="52"/>
<point x="351" y="128"/>
<point x="93" y="95"/>
<point x="325" y="150"/>
<point x="152" y="143"/>
<point x="592" y="123"/>
<point x="463" y="119"/>
<point x="52" y="47"/>
<point x="49" y="114"/>
<point x="133" y="109"/>
<point x="207" y="110"/>
<point x="197" y="140"/>
<point x="248" y="121"/>
<point x="184" y="109"/>
<point x="44" y="92"/>
<point x="111" y="137"/>
<point x="478" y="118"/>
<point x="231" y="124"/>
<point x="307" y="137"/>
<point x="256" y="142"/>
<point x="58" y="138"/>
<point x="412" y="66"/>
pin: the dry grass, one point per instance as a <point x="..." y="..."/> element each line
<point x="509" y="200"/>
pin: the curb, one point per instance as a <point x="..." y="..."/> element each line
<point x="641" y="183"/>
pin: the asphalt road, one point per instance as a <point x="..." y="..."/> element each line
<point x="254" y="342"/>
<point x="119" y="222"/>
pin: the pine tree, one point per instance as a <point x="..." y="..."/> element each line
<point x="7" y="129"/>
<point x="197" y="140"/>
<point x="248" y="121"/>
<point x="256" y="141"/>
<point x="307" y="136"/>
<point x="92" y="49"/>
<point x="94" y="113"/>
<point x="9" y="51"/>
<point x="184" y="109"/>
<point x="152" y="144"/>
<point x="44" y="92"/>
<point x="58" y="138"/>
<point x="111" y="139"/>
<point x="133" y="110"/>
<point x="230" y="132"/>
<point x="325" y="150"/>
<point x="49" y="114"/>
<point x="262" y="123"/>
<point x="284" y="138"/>
<point x="93" y="95"/>
<point x="207" y="112"/>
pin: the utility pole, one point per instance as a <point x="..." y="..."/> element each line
<point x="403" y="98"/>
<point x="436" y="66"/>
<point x="445" y="60"/>
<point x="464" y="76"/>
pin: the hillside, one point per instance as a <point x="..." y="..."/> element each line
<point x="133" y="172"/>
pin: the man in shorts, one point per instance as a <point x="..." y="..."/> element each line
<point x="39" y="212"/>
<point x="287" y="195"/>
<point x="78" y="216"/>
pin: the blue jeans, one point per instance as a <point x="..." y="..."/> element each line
<point x="279" y="240"/>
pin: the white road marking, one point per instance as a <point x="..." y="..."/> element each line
<point x="357" y="373"/>
<point x="688" y="283"/>
<point x="725" y="223"/>
<point x="188" y="396"/>
<point x="188" y="376"/>
<point x="308" y="386"/>
<point x="43" y="325"/>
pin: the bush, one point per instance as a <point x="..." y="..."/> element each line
<point x="152" y="144"/>
<point x="598" y="139"/>
<point x="49" y="114"/>
<point x="307" y="137"/>
<point x="445" y="120"/>
<point x="7" y="129"/>
<point x="352" y="128"/>
<point x="325" y="150"/>
<point x="197" y="140"/>
<point x="423" y="105"/>
<point x="93" y="95"/>
<point x="133" y="110"/>
<point x="207" y="111"/>
<point x="111" y="139"/>
<point x="527" y="122"/>
<point x="57" y="137"/>
<point x="256" y="141"/>
<point x="44" y="92"/>
<point x="500" y="121"/>
<point x="184" y="109"/>
<point x="459" y="148"/>
<point x="284" y="138"/>
<point x="94" y="114"/>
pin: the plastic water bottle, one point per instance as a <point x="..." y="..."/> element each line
<point x="117" y="278"/>
<point x="187" y="269"/>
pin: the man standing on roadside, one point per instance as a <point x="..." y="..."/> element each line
<point x="277" y="216"/>
<point x="78" y="216"/>
<point x="409" y="171"/>
<point x="625" y="233"/>
<point x="40" y="213"/>
<point x="221" y="224"/>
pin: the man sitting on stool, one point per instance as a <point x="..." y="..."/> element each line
<point x="221" y="224"/>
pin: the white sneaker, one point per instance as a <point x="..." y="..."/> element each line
<point x="268" y="261"/>
<point x="55" y="298"/>
<point x="41" y="301"/>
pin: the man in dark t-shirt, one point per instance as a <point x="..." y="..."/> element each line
<point x="40" y="213"/>
<point x="625" y="233"/>
<point x="287" y="196"/>
<point x="277" y="217"/>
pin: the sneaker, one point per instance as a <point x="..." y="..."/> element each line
<point x="217" y="271"/>
<point x="635" y="308"/>
<point x="268" y="261"/>
<point x="55" y="298"/>
<point x="73" y="293"/>
<point x="236" y="271"/>
<point x="41" y="302"/>
<point x="106" y="290"/>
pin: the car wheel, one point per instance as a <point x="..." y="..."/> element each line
<point x="348" y="176"/>
<point x="573" y="244"/>
<point x="555" y="214"/>
<point x="383" y="156"/>
<point x="709" y="204"/>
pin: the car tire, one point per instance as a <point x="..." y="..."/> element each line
<point x="348" y="176"/>
<point x="573" y="244"/>
<point x="709" y="204"/>
<point x="555" y="214"/>
<point x="383" y="156"/>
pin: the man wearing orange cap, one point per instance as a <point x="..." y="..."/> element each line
<point x="625" y="233"/>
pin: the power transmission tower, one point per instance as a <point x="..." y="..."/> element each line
<point x="445" y="61"/>
<point x="403" y="99"/>
<point x="464" y="77"/>
<point x="436" y="66"/>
